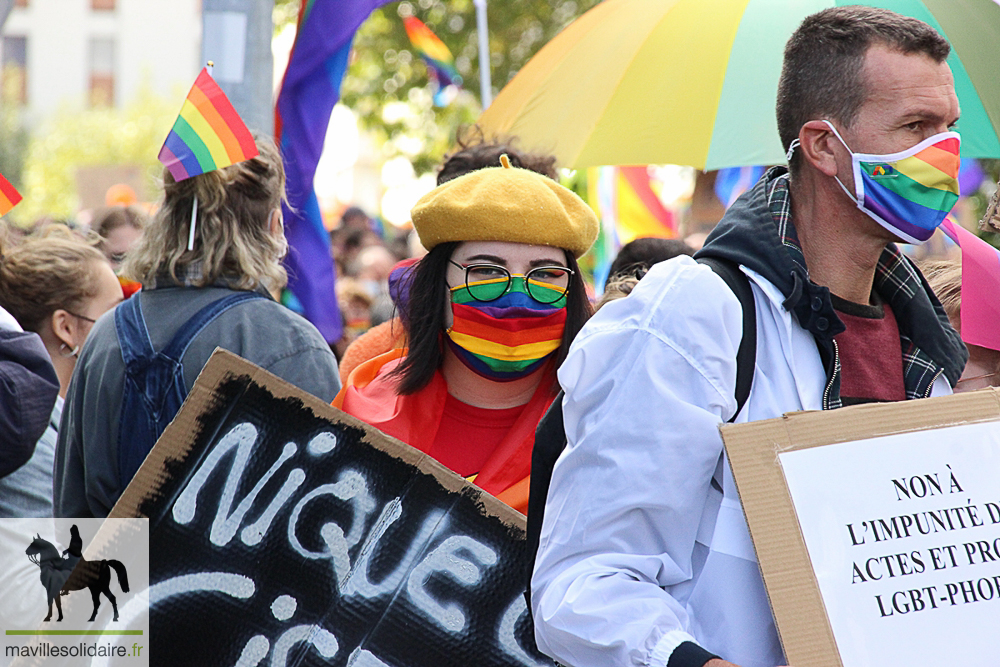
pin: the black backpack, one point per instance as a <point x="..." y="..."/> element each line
<point x="550" y="436"/>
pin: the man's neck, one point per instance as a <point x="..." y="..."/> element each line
<point x="473" y="389"/>
<point x="841" y="244"/>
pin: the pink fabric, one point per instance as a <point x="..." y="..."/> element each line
<point x="980" y="286"/>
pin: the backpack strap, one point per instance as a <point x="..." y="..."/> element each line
<point x="746" y="354"/>
<point x="133" y="337"/>
<point x="179" y="344"/>
<point x="550" y="441"/>
<point x="153" y="388"/>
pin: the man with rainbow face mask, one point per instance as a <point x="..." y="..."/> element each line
<point x="491" y="311"/>
<point x="644" y="555"/>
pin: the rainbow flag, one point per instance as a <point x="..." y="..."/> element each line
<point x="980" y="284"/>
<point x="9" y="197"/>
<point x="629" y="208"/>
<point x="309" y="91"/>
<point x="440" y="63"/>
<point x="890" y="187"/>
<point x="208" y="134"/>
<point x="731" y="182"/>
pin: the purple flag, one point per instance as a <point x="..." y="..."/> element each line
<point x="310" y="89"/>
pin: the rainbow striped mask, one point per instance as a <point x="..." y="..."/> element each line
<point x="910" y="192"/>
<point x="508" y="338"/>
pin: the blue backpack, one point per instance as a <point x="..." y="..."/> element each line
<point x="154" y="381"/>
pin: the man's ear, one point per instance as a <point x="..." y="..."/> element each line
<point x="819" y="144"/>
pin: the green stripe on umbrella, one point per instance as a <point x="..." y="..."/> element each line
<point x="694" y="81"/>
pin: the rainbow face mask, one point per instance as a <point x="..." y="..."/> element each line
<point x="508" y="338"/>
<point x="910" y="192"/>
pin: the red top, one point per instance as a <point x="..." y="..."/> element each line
<point x="871" y="357"/>
<point x="469" y="435"/>
<point x="503" y="462"/>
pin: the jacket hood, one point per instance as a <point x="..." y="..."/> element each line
<point x="749" y="236"/>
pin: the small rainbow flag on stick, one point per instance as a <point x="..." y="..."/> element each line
<point x="9" y="197"/>
<point x="439" y="61"/>
<point x="208" y="134"/>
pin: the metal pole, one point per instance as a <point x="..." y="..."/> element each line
<point x="485" y="85"/>
<point x="236" y="34"/>
<point x="5" y="7"/>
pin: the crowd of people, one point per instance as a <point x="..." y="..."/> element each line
<point x="460" y="336"/>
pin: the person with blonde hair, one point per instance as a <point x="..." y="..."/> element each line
<point x="983" y="368"/>
<point x="57" y="285"/>
<point x="120" y="228"/>
<point x="203" y="288"/>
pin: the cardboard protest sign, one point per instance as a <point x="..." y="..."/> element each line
<point x="284" y="532"/>
<point x="877" y="529"/>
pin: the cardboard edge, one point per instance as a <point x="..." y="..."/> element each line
<point x="223" y="366"/>
<point x="791" y="585"/>
<point x="753" y="448"/>
<point x="875" y="420"/>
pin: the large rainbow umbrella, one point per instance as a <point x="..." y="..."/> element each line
<point x="694" y="82"/>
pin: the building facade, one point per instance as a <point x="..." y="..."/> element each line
<point x="87" y="53"/>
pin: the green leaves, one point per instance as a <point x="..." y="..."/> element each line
<point x="385" y="72"/>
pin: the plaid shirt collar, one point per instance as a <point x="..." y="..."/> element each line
<point x="896" y="283"/>
<point x="191" y="275"/>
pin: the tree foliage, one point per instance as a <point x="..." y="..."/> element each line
<point x="75" y="138"/>
<point x="14" y="139"/>
<point x="387" y="84"/>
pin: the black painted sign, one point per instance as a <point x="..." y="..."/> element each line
<point x="284" y="532"/>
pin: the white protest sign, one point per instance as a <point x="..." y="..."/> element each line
<point x="903" y="532"/>
<point x="877" y="530"/>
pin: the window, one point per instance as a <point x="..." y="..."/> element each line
<point x="14" y="76"/>
<point x="102" y="72"/>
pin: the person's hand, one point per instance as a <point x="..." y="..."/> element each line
<point x="719" y="662"/>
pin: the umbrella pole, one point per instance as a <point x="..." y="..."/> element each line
<point x="485" y="85"/>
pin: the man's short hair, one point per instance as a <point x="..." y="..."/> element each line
<point x="821" y="75"/>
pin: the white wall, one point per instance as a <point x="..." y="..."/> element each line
<point x="156" y="41"/>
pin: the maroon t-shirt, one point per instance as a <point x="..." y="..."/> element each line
<point x="871" y="357"/>
<point x="468" y="435"/>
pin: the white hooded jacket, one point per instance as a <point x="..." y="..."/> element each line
<point x="644" y="545"/>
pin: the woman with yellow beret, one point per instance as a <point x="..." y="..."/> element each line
<point x="491" y="312"/>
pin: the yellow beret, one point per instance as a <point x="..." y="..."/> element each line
<point x="505" y="204"/>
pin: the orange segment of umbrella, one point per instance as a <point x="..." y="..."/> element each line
<point x="694" y="82"/>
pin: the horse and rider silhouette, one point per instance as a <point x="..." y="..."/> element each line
<point x="61" y="575"/>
